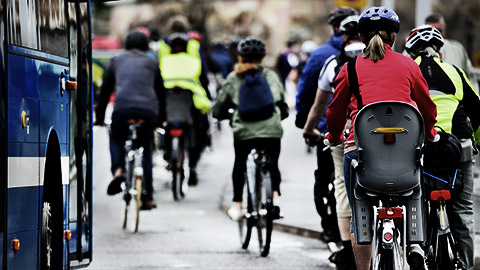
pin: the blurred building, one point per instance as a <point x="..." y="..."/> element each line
<point x="277" y="20"/>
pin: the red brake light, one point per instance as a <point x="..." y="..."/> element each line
<point x="389" y="213"/>
<point x="177" y="132"/>
<point x="389" y="138"/>
<point x="440" y="195"/>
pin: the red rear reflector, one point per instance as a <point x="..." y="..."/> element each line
<point x="389" y="213"/>
<point x="68" y="234"/>
<point x="176" y="132"/>
<point x="440" y="195"/>
<point x="388" y="236"/>
<point x="389" y="138"/>
<point x="15" y="244"/>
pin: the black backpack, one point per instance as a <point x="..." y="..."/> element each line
<point x="255" y="99"/>
<point x="440" y="163"/>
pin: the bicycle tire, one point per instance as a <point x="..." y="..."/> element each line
<point x="445" y="255"/>
<point x="265" y="211"/>
<point x="245" y="226"/>
<point x="178" y="175"/>
<point x="138" y="199"/>
<point x="376" y="243"/>
<point x="129" y="162"/>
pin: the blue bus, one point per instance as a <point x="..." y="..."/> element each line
<point x="45" y="134"/>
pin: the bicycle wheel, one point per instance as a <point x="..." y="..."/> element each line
<point x="386" y="260"/>
<point x="176" y="170"/>
<point x="445" y="255"/>
<point x="245" y="226"/>
<point x="138" y="199"/>
<point x="265" y="211"/>
<point x="127" y="196"/>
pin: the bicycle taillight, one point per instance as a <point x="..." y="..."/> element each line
<point x="176" y="132"/>
<point x="440" y="195"/>
<point x="385" y="213"/>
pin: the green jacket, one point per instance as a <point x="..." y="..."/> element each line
<point x="227" y="98"/>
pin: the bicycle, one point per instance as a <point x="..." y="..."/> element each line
<point x="134" y="173"/>
<point x="179" y="122"/>
<point x="259" y="204"/>
<point x="177" y="161"/>
<point x="440" y="246"/>
<point x="386" y="182"/>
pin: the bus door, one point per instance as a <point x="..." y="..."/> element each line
<point x="3" y="143"/>
<point x="80" y="208"/>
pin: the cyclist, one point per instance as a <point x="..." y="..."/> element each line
<point x="457" y="109"/>
<point x="382" y="75"/>
<point x="352" y="48"/>
<point x="182" y="66"/>
<point x="453" y="51"/>
<point x="307" y="87"/>
<point x="264" y="134"/>
<point x="139" y="94"/>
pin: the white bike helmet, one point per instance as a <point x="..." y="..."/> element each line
<point x="422" y="37"/>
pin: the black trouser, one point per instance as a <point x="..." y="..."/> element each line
<point x="323" y="190"/>
<point x="118" y="136"/>
<point x="242" y="149"/>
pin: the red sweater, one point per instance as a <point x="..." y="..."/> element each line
<point x="394" y="78"/>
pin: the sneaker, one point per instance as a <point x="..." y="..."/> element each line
<point x="115" y="185"/>
<point x="148" y="205"/>
<point x="234" y="213"/>
<point x="416" y="257"/>
<point x="192" y="178"/>
<point x="276" y="213"/>
<point x="343" y="259"/>
<point x="329" y="236"/>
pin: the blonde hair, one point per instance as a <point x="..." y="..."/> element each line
<point x="375" y="49"/>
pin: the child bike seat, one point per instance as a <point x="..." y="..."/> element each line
<point x="389" y="136"/>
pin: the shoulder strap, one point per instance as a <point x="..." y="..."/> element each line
<point x="353" y="81"/>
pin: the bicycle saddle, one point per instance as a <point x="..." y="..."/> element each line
<point x="389" y="136"/>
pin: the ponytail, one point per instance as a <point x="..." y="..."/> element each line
<point x="375" y="49"/>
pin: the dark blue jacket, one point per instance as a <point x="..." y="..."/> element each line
<point x="308" y="83"/>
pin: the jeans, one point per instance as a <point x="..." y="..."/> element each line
<point x="461" y="213"/>
<point x="118" y="136"/>
<point x="347" y="162"/>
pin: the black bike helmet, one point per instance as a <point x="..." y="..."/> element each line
<point x="251" y="47"/>
<point x="336" y="16"/>
<point x="136" y="40"/>
<point x="378" y="19"/>
<point x="178" y="42"/>
<point x="349" y="26"/>
<point x="422" y="37"/>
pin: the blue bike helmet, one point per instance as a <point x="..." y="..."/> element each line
<point x="378" y="19"/>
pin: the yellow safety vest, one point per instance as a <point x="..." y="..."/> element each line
<point x="448" y="103"/>
<point x="183" y="70"/>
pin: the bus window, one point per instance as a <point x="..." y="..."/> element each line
<point x="52" y="27"/>
<point x="22" y="24"/>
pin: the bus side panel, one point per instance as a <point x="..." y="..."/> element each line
<point x="26" y="257"/>
<point x="23" y="225"/>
